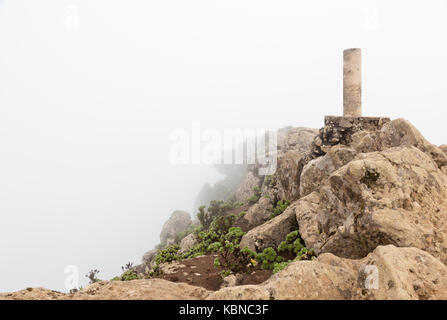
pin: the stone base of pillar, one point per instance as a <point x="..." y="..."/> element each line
<point x="338" y="130"/>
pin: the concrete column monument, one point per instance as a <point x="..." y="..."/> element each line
<point x="352" y="82"/>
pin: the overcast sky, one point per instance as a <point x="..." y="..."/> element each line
<point x="91" y="89"/>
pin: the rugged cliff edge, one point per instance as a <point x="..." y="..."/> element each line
<point x="353" y="212"/>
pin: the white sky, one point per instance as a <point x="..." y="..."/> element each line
<point x="91" y="89"/>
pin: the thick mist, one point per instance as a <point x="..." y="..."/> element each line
<point x="90" y="91"/>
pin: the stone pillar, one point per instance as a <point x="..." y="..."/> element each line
<point x="352" y="83"/>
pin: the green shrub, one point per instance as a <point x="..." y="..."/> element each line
<point x="225" y="273"/>
<point x="169" y="254"/>
<point x="129" y="275"/>
<point x="268" y="258"/>
<point x="255" y="197"/>
<point x="280" y="266"/>
<point x="280" y="207"/>
<point x="293" y="245"/>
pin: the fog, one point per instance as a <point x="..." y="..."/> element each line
<point x="90" y="91"/>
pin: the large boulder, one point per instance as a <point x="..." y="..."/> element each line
<point x="188" y="242"/>
<point x="398" y="132"/>
<point x="294" y="150"/>
<point x="247" y="187"/>
<point x="259" y="212"/>
<point x="270" y="233"/>
<point x="401" y="273"/>
<point x="387" y="273"/>
<point x="397" y="196"/>
<point x="149" y="256"/>
<point x="179" y="221"/>
<point x="319" y="169"/>
<point x="299" y="281"/>
<point x="299" y="138"/>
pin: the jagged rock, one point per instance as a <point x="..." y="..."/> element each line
<point x="387" y="273"/>
<point x="260" y="212"/>
<point x="299" y="138"/>
<point x="149" y="256"/>
<point x="397" y="196"/>
<point x="443" y="148"/>
<point x="153" y="289"/>
<point x="188" y="242"/>
<point x="229" y="281"/>
<point x="309" y="226"/>
<point x="399" y="132"/>
<point x="299" y="280"/>
<point x="319" y="169"/>
<point x="245" y="189"/>
<point x="402" y="273"/>
<point x="272" y="232"/>
<point x="293" y="154"/>
<point x="33" y="294"/>
<point x="178" y="222"/>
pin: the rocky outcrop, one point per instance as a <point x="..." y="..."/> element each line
<point x="368" y="195"/>
<point x="178" y="222"/>
<point x="386" y="273"/>
<point x="318" y="170"/>
<point x="399" y="274"/>
<point x="188" y="242"/>
<point x="397" y="196"/>
<point x="259" y="212"/>
<point x="248" y="184"/>
<point x="271" y="233"/>
<point x="153" y="289"/>
<point x="33" y="294"/>
<point x="149" y="256"/>
<point x="399" y="132"/>
<point x="293" y="154"/>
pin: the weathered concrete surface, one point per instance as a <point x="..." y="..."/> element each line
<point x="352" y="83"/>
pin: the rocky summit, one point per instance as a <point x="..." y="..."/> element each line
<point x="356" y="210"/>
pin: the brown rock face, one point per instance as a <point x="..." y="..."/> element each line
<point x="259" y="212"/>
<point x="154" y="289"/>
<point x="178" y="221"/>
<point x="245" y="190"/>
<point x="401" y="273"/>
<point x="293" y="154"/>
<point x="386" y="273"/>
<point x="271" y="233"/>
<point x="397" y="196"/>
<point x="188" y="242"/>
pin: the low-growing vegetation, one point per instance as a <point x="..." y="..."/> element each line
<point x="255" y="197"/>
<point x="92" y="276"/>
<point x="280" y="207"/>
<point x="221" y="237"/>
